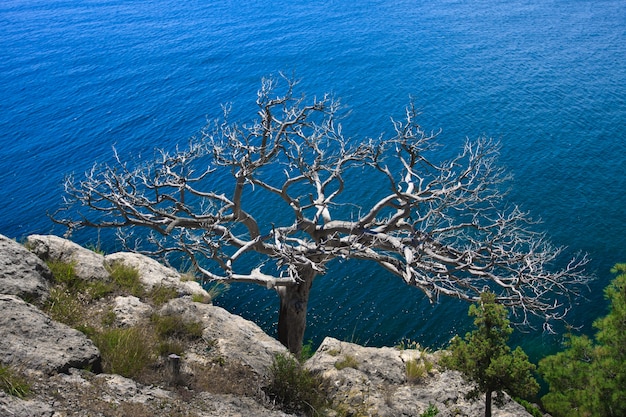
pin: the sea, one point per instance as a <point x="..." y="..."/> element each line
<point x="547" y="79"/>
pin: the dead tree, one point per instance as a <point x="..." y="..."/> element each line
<point x="440" y="225"/>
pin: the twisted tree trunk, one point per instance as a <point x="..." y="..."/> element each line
<point x="292" y="314"/>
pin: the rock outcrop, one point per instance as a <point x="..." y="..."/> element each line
<point x="22" y="273"/>
<point x="89" y="265"/>
<point x="59" y="362"/>
<point x="130" y="310"/>
<point x="154" y="274"/>
<point x="30" y="339"/>
<point x="62" y="365"/>
<point x="377" y="381"/>
<point x="235" y="338"/>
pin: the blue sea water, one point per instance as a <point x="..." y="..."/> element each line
<point x="545" y="78"/>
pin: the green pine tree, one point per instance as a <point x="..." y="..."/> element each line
<point x="485" y="358"/>
<point x="588" y="379"/>
<point x="611" y="349"/>
<point x="569" y="375"/>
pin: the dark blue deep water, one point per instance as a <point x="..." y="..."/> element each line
<point x="546" y="78"/>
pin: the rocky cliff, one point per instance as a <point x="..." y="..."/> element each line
<point x="220" y="371"/>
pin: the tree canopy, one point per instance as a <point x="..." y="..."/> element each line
<point x="486" y="359"/>
<point x="440" y="224"/>
<point x="589" y="377"/>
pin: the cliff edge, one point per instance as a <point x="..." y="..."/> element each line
<point x="209" y="362"/>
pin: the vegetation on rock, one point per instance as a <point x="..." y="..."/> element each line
<point x="134" y="351"/>
<point x="12" y="382"/>
<point x="296" y="388"/>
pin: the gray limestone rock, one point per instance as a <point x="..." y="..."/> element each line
<point x="16" y="407"/>
<point x="130" y="310"/>
<point x="237" y="339"/>
<point x="89" y="265"/>
<point x="221" y="405"/>
<point x="118" y="387"/>
<point x="376" y="383"/>
<point x="22" y="273"/>
<point x="30" y="339"/>
<point x="152" y="273"/>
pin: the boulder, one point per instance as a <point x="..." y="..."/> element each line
<point x="22" y="273"/>
<point x="119" y="389"/>
<point x="130" y="311"/>
<point x="152" y="273"/>
<point x="30" y="339"/>
<point x="236" y="339"/>
<point x="89" y="265"/>
<point x="384" y="364"/>
<point x="373" y="381"/>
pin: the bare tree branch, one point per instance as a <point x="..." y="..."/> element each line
<point x="443" y="226"/>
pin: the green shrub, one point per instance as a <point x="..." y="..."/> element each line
<point x="532" y="409"/>
<point x="588" y="378"/>
<point x="484" y="357"/>
<point x="12" y="383"/>
<point x="295" y="388"/>
<point x="348" y="361"/>
<point x="307" y="351"/>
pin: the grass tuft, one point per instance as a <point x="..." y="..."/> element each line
<point x="12" y="382"/>
<point x="408" y="344"/>
<point x="64" y="306"/>
<point x="415" y="370"/>
<point x="217" y="289"/>
<point x="160" y="294"/>
<point x="431" y="411"/>
<point x="64" y="273"/>
<point x="174" y="326"/>
<point x="348" y="361"/>
<point x="126" y="351"/>
<point x="126" y="278"/>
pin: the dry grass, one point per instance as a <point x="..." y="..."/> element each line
<point x="348" y="361"/>
<point x="141" y="353"/>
